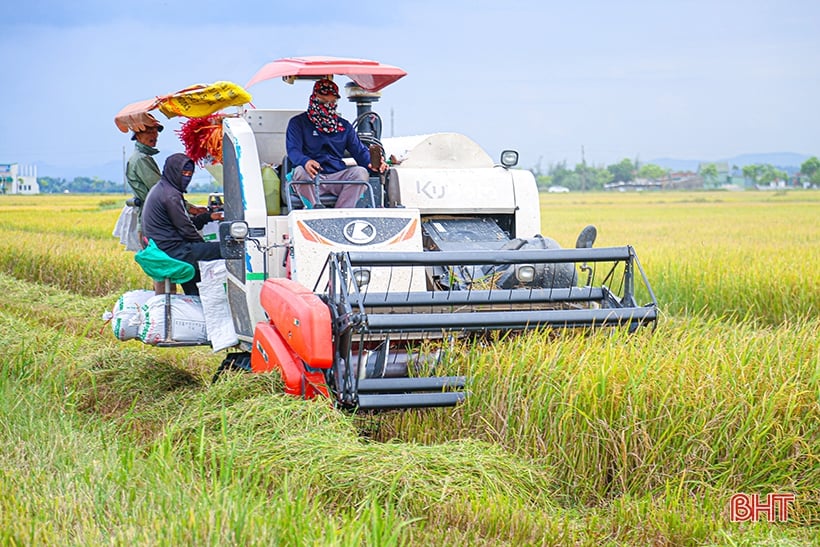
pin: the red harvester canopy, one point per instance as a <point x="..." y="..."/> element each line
<point x="369" y="75"/>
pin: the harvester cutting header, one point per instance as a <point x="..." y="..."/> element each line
<point x="359" y="304"/>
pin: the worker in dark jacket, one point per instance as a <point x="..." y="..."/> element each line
<point x="316" y="143"/>
<point x="165" y="219"/>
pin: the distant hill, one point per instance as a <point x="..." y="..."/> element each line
<point x="788" y="161"/>
<point x="779" y="159"/>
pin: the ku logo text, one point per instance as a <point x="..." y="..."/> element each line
<point x="430" y="189"/>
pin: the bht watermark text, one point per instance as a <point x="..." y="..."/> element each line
<point x="752" y="507"/>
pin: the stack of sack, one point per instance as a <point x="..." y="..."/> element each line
<point x="140" y="315"/>
<point x="203" y="319"/>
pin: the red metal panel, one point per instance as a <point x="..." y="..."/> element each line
<point x="271" y="353"/>
<point x="301" y="318"/>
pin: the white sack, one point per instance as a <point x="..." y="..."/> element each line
<point x="126" y="228"/>
<point x="218" y="321"/>
<point x="187" y="320"/>
<point x="126" y="316"/>
<point x="213" y="270"/>
<point x="210" y="232"/>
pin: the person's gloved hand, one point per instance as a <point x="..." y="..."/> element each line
<point x="202" y="219"/>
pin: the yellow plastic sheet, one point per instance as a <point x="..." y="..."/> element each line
<point x="200" y="101"/>
<point x="196" y="101"/>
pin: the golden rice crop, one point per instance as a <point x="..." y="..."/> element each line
<point x="752" y="255"/>
<point x="65" y="241"/>
<point x="579" y="438"/>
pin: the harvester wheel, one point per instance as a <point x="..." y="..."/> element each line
<point x="234" y="362"/>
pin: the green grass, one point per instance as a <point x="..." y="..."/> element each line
<point x="578" y="439"/>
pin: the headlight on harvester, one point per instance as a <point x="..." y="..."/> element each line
<point x="361" y="276"/>
<point x="509" y="158"/>
<point x="239" y="230"/>
<point x="525" y="273"/>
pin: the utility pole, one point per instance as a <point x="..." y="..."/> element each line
<point x="583" y="170"/>
<point x="391" y="122"/>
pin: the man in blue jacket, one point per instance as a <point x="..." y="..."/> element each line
<point x="165" y="219"/>
<point x="317" y="141"/>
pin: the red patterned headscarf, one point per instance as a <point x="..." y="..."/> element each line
<point x="323" y="115"/>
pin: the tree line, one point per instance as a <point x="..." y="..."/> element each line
<point x="79" y="185"/>
<point x="586" y="177"/>
<point x="95" y="185"/>
<point x="582" y="177"/>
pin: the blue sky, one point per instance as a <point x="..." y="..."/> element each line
<point x="699" y="79"/>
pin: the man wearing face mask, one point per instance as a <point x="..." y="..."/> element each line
<point x="142" y="172"/>
<point x="165" y="219"/>
<point x="317" y="141"/>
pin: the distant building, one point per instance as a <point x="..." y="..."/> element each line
<point x="681" y="180"/>
<point x="637" y="185"/>
<point x="672" y="180"/>
<point x="722" y="176"/>
<point x="18" y="179"/>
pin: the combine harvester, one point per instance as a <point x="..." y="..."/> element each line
<point x="358" y="305"/>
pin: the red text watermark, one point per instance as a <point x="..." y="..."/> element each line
<point x="752" y="507"/>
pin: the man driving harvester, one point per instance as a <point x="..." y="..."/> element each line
<point x="316" y="143"/>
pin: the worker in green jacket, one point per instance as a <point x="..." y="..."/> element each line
<point x="142" y="171"/>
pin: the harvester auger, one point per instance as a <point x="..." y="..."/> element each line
<point x="362" y="305"/>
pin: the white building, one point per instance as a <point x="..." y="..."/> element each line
<point x="18" y="179"/>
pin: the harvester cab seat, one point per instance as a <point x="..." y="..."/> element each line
<point x="292" y="200"/>
<point x="162" y="268"/>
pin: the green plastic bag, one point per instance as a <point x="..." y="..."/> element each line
<point x="160" y="266"/>
<point x="271" y="185"/>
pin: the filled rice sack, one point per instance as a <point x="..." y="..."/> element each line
<point x="187" y="320"/>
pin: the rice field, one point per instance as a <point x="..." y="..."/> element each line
<point x="577" y="439"/>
